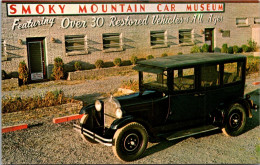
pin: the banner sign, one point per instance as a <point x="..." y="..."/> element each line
<point x="19" y="9"/>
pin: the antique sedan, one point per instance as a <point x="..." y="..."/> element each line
<point x="178" y="96"/>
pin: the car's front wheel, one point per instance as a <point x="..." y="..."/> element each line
<point x="235" y="120"/>
<point x="130" y="141"/>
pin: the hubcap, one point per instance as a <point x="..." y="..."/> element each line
<point x="235" y="120"/>
<point x="131" y="142"/>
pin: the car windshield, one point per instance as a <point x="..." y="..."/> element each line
<point x="155" y="81"/>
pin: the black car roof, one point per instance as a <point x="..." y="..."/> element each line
<point x="188" y="60"/>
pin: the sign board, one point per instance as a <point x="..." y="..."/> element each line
<point x="37" y="76"/>
<point x="34" y="9"/>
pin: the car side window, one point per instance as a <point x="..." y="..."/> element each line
<point x="232" y="72"/>
<point x="155" y="80"/>
<point x="210" y="76"/>
<point x="183" y="79"/>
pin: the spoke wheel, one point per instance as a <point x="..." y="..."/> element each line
<point x="235" y="120"/>
<point x="130" y="142"/>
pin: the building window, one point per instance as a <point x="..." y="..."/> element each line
<point x="241" y="21"/>
<point x="185" y="37"/>
<point x="232" y="72"/>
<point x="226" y="33"/>
<point x="158" y="39"/>
<point x="112" y="42"/>
<point x="256" y="20"/>
<point x="76" y="44"/>
<point x="3" y="50"/>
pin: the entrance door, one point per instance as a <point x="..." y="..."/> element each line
<point x="209" y="39"/>
<point x="36" y="60"/>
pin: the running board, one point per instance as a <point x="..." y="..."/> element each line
<point x="191" y="132"/>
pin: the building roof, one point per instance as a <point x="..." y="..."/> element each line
<point x="186" y="60"/>
<point x="131" y="1"/>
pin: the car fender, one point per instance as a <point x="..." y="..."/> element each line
<point x="128" y="119"/>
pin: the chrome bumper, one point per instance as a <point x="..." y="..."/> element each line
<point x="93" y="136"/>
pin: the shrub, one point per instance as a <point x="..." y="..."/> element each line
<point x="99" y="64"/>
<point x="180" y="53"/>
<point x="23" y="72"/>
<point x="164" y="55"/>
<point x="51" y="98"/>
<point x="205" y="48"/>
<point x="117" y="62"/>
<point x="130" y="84"/>
<point x="230" y="50"/>
<point x="77" y="65"/>
<point x="235" y="49"/>
<point x="245" y="48"/>
<point x="224" y="48"/>
<point x="149" y="57"/>
<point x="134" y="60"/>
<point x="217" y="49"/>
<point x="58" y="69"/>
<point x="252" y="45"/>
<point x="4" y="75"/>
<point x="195" y="49"/>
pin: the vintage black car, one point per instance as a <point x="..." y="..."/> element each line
<point x="179" y="96"/>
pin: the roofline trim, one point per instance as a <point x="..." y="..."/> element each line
<point x="131" y="1"/>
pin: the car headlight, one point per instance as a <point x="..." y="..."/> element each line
<point x="98" y="105"/>
<point x="119" y="113"/>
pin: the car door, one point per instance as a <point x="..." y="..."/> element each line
<point x="186" y="103"/>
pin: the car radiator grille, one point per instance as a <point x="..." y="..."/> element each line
<point x="109" y="112"/>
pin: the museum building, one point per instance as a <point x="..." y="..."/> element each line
<point x="38" y="31"/>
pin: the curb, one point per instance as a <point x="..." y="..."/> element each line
<point x="66" y="118"/>
<point x="14" y="128"/>
<point x="256" y="83"/>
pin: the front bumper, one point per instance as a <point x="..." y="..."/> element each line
<point x="93" y="136"/>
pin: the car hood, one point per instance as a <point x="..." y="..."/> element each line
<point x="136" y="99"/>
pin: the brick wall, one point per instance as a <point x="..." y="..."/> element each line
<point x="135" y="38"/>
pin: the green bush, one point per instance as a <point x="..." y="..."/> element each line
<point x="99" y="64"/>
<point x="217" y="49"/>
<point x="134" y="59"/>
<point x="4" y="75"/>
<point x="58" y="69"/>
<point x="230" y="50"/>
<point x="164" y="55"/>
<point x="235" y="49"/>
<point x="205" y="48"/>
<point x="117" y="62"/>
<point x="224" y="48"/>
<point x="23" y="72"/>
<point x="245" y="48"/>
<point x="252" y="45"/>
<point x="149" y="57"/>
<point x="77" y="65"/>
<point x="195" y="49"/>
<point x="180" y="53"/>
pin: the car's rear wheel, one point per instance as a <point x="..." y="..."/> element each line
<point x="130" y="142"/>
<point x="235" y="120"/>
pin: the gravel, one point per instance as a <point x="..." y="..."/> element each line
<point x="50" y="143"/>
<point x="61" y="144"/>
